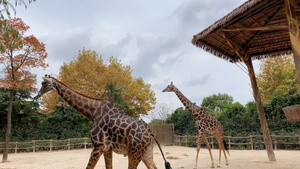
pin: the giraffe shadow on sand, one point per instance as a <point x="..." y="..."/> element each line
<point x="205" y="124"/>
<point x="112" y="130"/>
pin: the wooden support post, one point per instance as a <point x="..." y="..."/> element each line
<point x="261" y="113"/>
<point x="260" y="109"/>
<point x="294" y="34"/>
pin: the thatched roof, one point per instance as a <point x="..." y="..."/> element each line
<point x="260" y="26"/>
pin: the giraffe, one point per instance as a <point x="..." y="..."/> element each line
<point x="205" y="124"/>
<point x="112" y="130"/>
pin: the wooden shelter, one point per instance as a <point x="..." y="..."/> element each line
<point x="255" y="30"/>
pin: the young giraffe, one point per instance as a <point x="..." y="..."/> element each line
<point x="205" y="124"/>
<point x="112" y="131"/>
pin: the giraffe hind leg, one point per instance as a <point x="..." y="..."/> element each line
<point x="108" y="159"/>
<point x="148" y="158"/>
<point x="209" y="149"/>
<point x="221" y="147"/>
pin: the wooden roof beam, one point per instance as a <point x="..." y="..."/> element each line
<point x="229" y="42"/>
<point x="261" y="28"/>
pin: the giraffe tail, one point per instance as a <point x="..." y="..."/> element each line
<point x="167" y="164"/>
<point x="226" y="146"/>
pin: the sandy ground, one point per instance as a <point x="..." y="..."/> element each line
<point x="179" y="157"/>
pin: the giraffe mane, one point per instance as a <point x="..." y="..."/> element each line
<point x="78" y="92"/>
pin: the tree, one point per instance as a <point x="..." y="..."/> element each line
<point x="160" y="113"/>
<point x="25" y="116"/>
<point x="215" y="104"/>
<point x="276" y="75"/>
<point x="63" y="123"/>
<point x="19" y="53"/>
<point x="184" y="122"/>
<point x="89" y="75"/>
<point x="5" y="7"/>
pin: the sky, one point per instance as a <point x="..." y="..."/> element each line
<point x="153" y="37"/>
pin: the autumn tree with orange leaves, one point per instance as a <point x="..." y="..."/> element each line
<point x="90" y="75"/>
<point x="277" y="75"/>
<point x="19" y="54"/>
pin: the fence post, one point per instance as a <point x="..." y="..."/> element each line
<point x="275" y="142"/>
<point x="212" y="142"/>
<point x="229" y="143"/>
<point x="85" y="142"/>
<point x="68" y="144"/>
<point x="33" y="145"/>
<point x="16" y="147"/>
<point x="299" y="140"/>
<point x="50" y="146"/>
<point x="186" y="140"/>
<point x="251" y="142"/>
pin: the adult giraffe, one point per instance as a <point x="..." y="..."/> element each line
<point x="112" y="131"/>
<point x="205" y="124"/>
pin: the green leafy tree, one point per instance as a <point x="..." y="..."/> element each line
<point x="184" y="122"/>
<point x="276" y="75"/>
<point x="25" y="116"/>
<point x="63" y="123"/>
<point x="116" y="95"/>
<point x="216" y="103"/>
<point x="275" y="116"/>
<point x="237" y="121"/>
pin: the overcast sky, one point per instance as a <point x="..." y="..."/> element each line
<point x="153" y="37"/>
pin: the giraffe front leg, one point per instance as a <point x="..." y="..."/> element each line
<point x="209" y="149"/>
<point x="198" y="149"/>
<point x="95" y="155"/>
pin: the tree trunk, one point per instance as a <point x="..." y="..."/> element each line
<point x="8" y="130"/>
<point x="261" y="112"/>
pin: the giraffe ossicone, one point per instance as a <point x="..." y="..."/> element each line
<point x="205" y="123"/>
<point x="112" y="130"/>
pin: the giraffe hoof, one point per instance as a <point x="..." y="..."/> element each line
<point x="227" y="164"/>
<point x="218" y="166"/>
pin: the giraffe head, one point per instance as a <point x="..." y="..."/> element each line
<point x="169" y="88"/>
<point x="47" y="85"/>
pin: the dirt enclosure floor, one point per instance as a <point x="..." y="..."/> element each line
<point x="179" y="157"/>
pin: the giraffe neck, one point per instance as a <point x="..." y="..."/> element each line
<point x="78" y="101"/>
<point x="190" y="106"/>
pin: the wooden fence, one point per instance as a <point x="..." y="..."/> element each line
<point x="250" y="142"/>
<point x="48" y="145"/>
